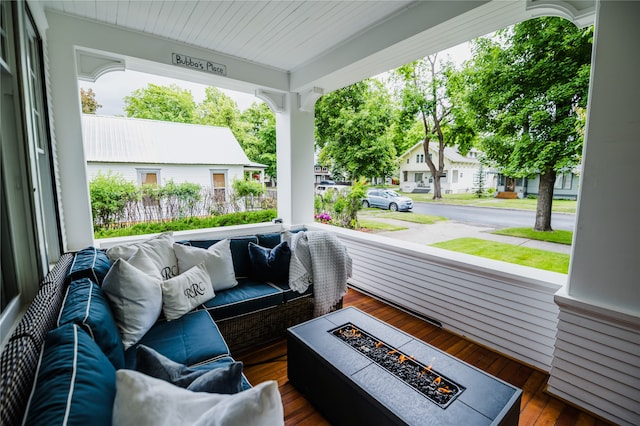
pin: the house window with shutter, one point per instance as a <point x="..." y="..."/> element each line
<point x="219" y="181"/>
<point x="148" y="177"/>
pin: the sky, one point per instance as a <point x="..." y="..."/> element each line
<point x="111" y="88"/>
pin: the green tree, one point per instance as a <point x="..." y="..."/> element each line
<point x="352" y="130"/>
<point x="260" y="140"/>
<point x="88" y="100"/>
<point x="218" y="109"/>
<point x="426" y="99"/>
<point x="165" y="103"/>
<point x="526" y="90"/>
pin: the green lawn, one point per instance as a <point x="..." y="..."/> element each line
<point x="379" y="226"/>
<point x="560" y="237"/>
<point x="558" y="206"/>
<point x="424" y="219"/>
<point x="535" y="258"/>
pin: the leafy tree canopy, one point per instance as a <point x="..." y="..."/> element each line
<point x="352" y="130"/>
<point x="88" y="100"/>
<point x="260" y="140"/>
<point x="165" y="103"/>
<point x="525" y="91"/>
<point x="423" y="87"/>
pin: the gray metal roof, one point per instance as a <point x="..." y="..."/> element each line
<point x="132" y="140"/>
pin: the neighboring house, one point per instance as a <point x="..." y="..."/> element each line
<point x="459" y="174"/>
<point x="565" y="187"/>
<point x="321" y="173"/>
<point x="155" y="152"/>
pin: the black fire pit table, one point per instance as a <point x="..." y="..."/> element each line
<point x="358" y="370"/>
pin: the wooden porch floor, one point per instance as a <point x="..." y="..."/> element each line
<point x="537" y="408"/>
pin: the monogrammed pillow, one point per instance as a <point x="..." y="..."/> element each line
<point x="186" y="291"/>
<point x="217" y="259"/>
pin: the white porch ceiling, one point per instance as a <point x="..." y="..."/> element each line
<point x="326" y="44"/>
<point x="278" y="34"/>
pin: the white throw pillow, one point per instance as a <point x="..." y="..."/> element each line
<point x="159" y="249"/>
<point x="136" y="300"/>
<point x="217" y="259"/>
<point x="142" y="261"/>
<point x="186" y="291"/>
<point x="144" y="400"/>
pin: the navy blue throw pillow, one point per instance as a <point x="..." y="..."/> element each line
<point x="270" y="264"/>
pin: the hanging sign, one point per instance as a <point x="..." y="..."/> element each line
<point x="190" y="62"/>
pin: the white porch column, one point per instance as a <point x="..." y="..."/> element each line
<point x="74" y="197"/>
<point x="605" y="265"/>
<point x="597" y="349"/>
<point x="295" y="152"/>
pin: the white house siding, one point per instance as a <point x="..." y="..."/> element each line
<point x="460" y="175"/>
<point x="192" y="173"/>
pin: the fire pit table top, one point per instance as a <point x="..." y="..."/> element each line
<point x="484" y="399"/>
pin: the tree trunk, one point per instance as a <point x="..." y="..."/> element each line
<point x="435" y="173"/>
<point x="545" y="199"/>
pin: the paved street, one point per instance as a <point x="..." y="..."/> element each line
<point x="498" y="218"/>
<point x="452" y="229"/>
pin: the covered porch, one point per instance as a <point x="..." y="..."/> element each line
<point x="582" y="330"/>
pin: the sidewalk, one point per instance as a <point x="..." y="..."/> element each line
<point x="450" y="229"/>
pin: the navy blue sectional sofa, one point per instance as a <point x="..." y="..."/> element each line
<point x="70" y="326"/>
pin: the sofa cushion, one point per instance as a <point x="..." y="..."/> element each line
<point x="289" y="294"/>
<point x="217" y="258"/>
<point x="248" y="296"/>
<point x="270" y="264"/>
<point x="219" y="379"/>
<point x="191" y="339"/>
<point x="239" y="252"/>
<point x="86" y="305"/>
<point x="136" y="300"/>
<point x="144" y="400"/>
<point x="183" y="293"/>
<point x="75" y="382"/>
<point x="89" y="263"/>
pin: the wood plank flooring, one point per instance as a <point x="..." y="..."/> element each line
<point x="537" y="407"/>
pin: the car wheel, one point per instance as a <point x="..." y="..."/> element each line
<point x="393" y="207"/>
<point x="365" y="204"/>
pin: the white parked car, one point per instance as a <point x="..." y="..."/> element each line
<point x="342" y="189"/>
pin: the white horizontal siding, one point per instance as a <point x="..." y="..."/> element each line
<point x="505" y="307"/>
<point x="596" y="363"/>
<point x="200" y="174"/>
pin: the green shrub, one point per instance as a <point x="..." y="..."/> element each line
<point x="110" y="195"/>
<point x="241" y="218"/>
<point x="244" y="188"/>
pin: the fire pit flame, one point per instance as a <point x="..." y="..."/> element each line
<point x="428" y="382"/>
